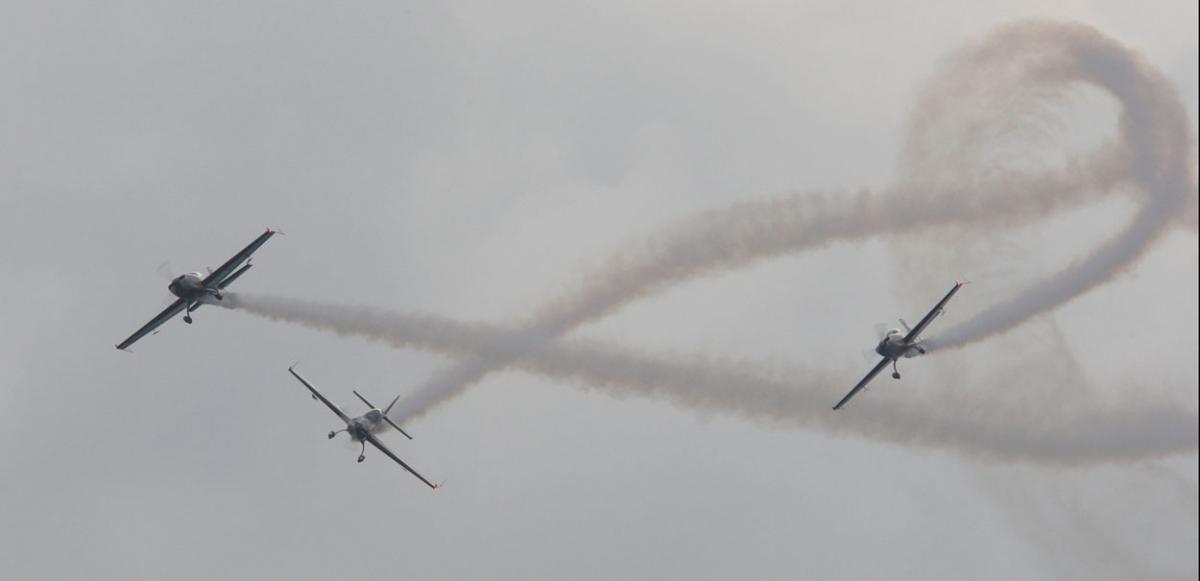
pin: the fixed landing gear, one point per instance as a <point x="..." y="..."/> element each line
<point x="895" y="372"/>
<point x="187" y="319"/>
<point x="895" y="375"/>
<point x="361" y="458"/>
<point x="362" y="454"/>
<point x="332" y="434"/>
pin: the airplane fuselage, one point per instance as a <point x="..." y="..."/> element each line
<point x="368" y="423"/>
<point x="893" y="346"/>
<point x="191" y="287"/>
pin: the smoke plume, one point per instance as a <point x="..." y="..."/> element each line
<point x="793" y="396"/>
<point x="1148" y="161"/>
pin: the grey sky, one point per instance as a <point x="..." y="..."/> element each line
<point x="473" y="161"/>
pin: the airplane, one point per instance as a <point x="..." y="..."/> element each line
<point x="893" y="345"/>
<point x="362" y="429"/>
<point x="194" y="288"/>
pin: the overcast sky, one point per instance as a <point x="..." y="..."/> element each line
<point x="473" y="161"/>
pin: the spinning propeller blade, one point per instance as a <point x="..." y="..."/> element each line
<point x="881" y="330"/>
<point x="166" y="271"/>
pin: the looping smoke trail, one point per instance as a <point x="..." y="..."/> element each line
<point x="1153" y="136"/>
<point x="1147" y="160"/>
<point x="744" y="390"/>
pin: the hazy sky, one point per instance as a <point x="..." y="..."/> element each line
<point x="474" y="161"/>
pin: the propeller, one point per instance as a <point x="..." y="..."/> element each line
<point x="166" y="271"/>
<point x="881" y="330"/>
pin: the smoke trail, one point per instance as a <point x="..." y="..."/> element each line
<point x="1137" y="526"/>
<point x="1153" y="127"/>
<point x="1149" y="160"/>
<point x="789" y="396"/>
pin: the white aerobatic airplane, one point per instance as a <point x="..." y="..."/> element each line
<point x="363" y="429"/>
<point x="194" y="288"/>
<point x="895" y="345"/>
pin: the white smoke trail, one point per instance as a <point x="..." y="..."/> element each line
<point x="1148" y="161"/>
<point x="1154" y="136"/>
<point x="792" y="396"/>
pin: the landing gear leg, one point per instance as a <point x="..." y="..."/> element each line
<point x="332" y="434"/>
<point x="895" y="372"/>
<point x="362" y="455"/>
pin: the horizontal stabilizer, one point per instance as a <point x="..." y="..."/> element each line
<point x="229" y="280"/>
<point x="364" y="400"/>
<point x="398" y="428"/>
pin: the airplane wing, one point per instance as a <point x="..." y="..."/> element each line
<point x="215" y="277"/>
<point x="375" y="442"/>
<point x="861" y="384"/>
<point x="937" y="310"/>
<point x="154" y="323"/>
<point x="337" y="410"/>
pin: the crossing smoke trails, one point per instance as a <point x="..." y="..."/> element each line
<point x="746" y="390"/>
<point x="1149" y="160"/>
